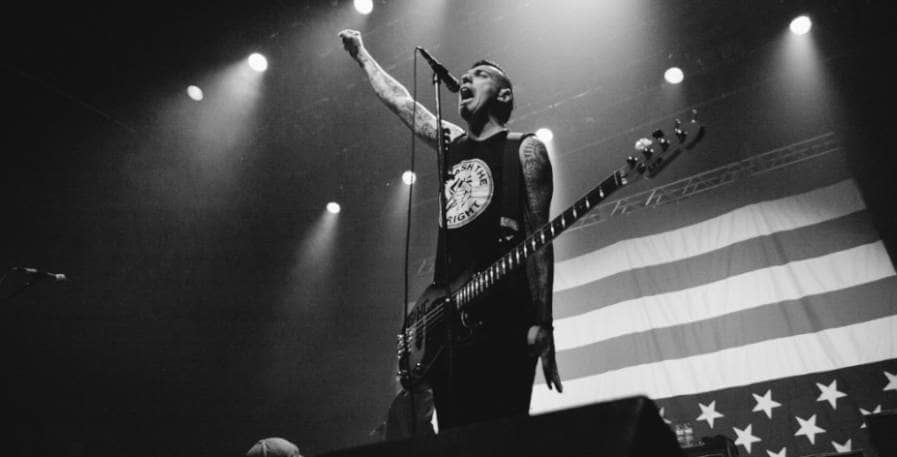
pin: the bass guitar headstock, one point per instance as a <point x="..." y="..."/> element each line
<point x="657" y="152"/>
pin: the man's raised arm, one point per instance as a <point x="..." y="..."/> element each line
<point x="394" y="94"/>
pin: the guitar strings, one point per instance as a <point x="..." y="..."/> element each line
<point x="535" y="238"/>
<point x="431" y="316"/>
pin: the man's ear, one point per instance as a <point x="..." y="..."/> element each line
<point x="505" y="95"/>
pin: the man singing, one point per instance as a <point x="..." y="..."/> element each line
<point x="499" y="190"/>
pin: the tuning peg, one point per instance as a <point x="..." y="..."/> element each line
<point x="677" y="129"/>
<point x="643" y="145"/>
<point x="631" y="161"/>
<point x="659" y="136"/>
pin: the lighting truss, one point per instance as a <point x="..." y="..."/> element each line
<point x="686" y="188"/>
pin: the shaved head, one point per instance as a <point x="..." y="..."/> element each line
<point x="502" y="110"/>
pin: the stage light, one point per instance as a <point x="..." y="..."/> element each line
<point x="195" y="93"/>
<point x="674" y="75"/>
<point x="409" y="178"/>
<point x="544" y="134"/>
<point x="364" y="6"/>
<point x="801" y="25"/>
<point x="258" y="62"/>
<point x="333" y="208"/>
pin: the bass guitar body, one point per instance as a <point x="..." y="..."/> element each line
<point x="434" y="323"/>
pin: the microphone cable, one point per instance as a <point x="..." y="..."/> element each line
<point x="413" y="412"/>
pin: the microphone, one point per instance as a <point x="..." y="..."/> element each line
<point x="58" y="277"/>
<point x="451" y="83"/>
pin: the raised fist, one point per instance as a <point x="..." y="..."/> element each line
<point x="351" y="41"/>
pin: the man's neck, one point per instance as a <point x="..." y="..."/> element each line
<point x="480" y="131"/>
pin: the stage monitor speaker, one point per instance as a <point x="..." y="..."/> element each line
<point x="628" y="427"/>
<point x="883" y="432"/>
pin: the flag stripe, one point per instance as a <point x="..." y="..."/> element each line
<point x="825" y="350"/>
<point x="820" y="275"/>
<point x="783" y="214"/>
<point x="794" y="317"/>
<point x="844" y="232"/>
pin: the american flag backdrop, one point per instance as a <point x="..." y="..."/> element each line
<point x="764" y="310"/>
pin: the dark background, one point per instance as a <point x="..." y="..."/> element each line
<point x="212" y="302"/>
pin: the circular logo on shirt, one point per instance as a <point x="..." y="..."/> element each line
<point x="468" y="192"/>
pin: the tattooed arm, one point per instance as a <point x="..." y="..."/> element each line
<point x="539" y="186"/>
<point x="394" y="95"/>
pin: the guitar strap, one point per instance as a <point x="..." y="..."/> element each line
<point x="511" y="211"/>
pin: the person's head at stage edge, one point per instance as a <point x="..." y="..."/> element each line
<point x="486" y="94"/>
<point x="273" y="447"/>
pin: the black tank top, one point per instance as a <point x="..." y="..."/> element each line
<point x="484" y="196"/>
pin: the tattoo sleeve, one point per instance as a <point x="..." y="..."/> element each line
<point x="539" y="186"/>
<point x="397" y="98"/>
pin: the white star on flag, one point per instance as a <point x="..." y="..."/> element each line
<point x="662" y="416"/>
<point x="846" y="447"/>
<point x="745" y="437"/>
<point x="830" y="393"/>
<point x="781" y="452"/>
<point x="765" y="403"/>
<point x="866" y="413"/>
<point x="892" y="381"/>
<point x="808" y="428"/>
<point x="708" y="413"/>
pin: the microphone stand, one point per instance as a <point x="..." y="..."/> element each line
<point x="443" y="280"/>
<point x="442" y="169"/>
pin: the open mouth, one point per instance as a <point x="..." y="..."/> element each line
<point x="466" y="94"/>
